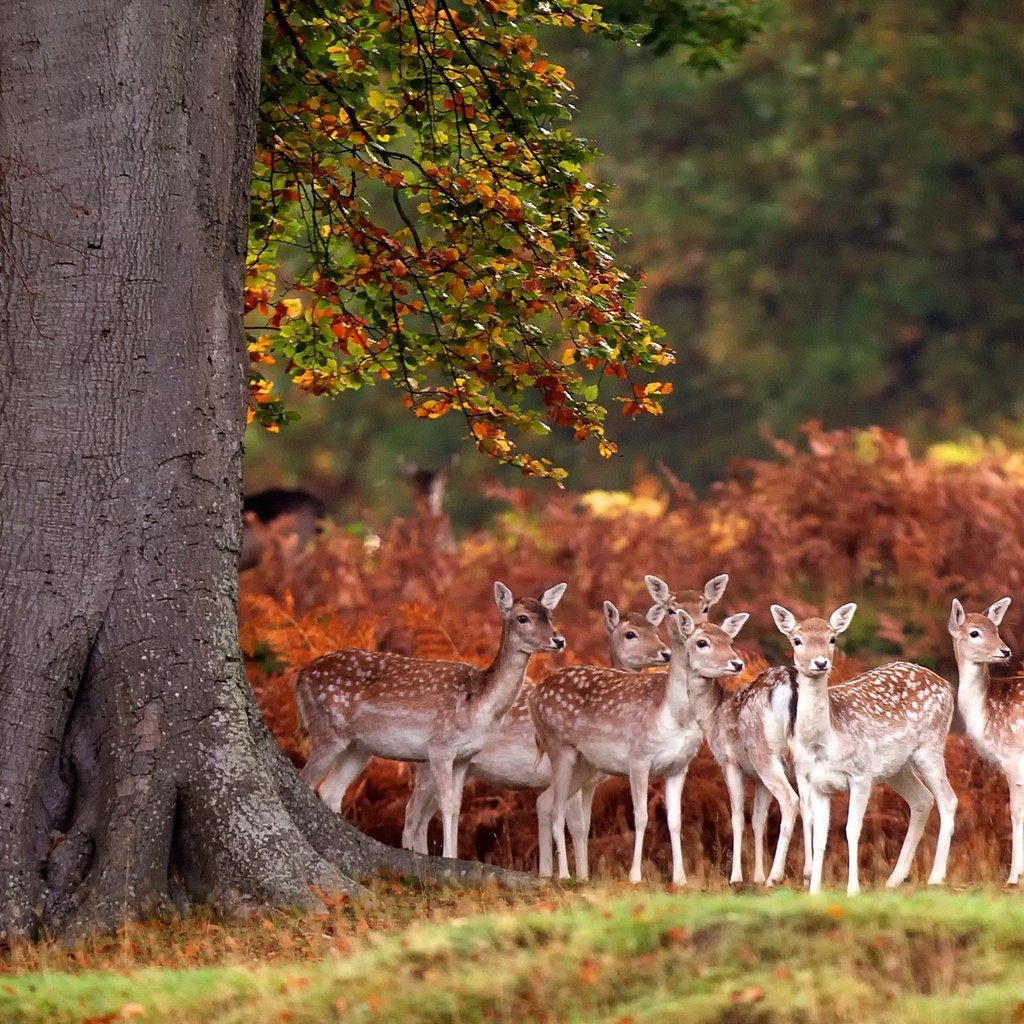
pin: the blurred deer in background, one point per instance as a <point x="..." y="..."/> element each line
<point x="509" y="758"/>
<point x="591" y="721"/>
<point x="885" y="725"/>
<point x="354" y="704"/>
<point x="992" y="709"/>
<point x="278" y="522"/>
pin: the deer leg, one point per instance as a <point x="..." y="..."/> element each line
<point x="582" y="851"/>
<point x="821" y="810"/>
<point x="674" y="813"/>
<point x="734" y="784"/>
<point x="758" y="822"/>
<point x="777" y="784"/>
<point x="577" y="818"/>
<point x="442" y="770"/>
<point x="459" y="770"/>
<point x="563" y="765"/>
<point x="860" y="790"/>
<point x="639" y="776"/>
<point x="1016" y="782"/>
<point x="345" y="770"/>
<point x="946" y="799"/>
<point x="319" y="762"/>
<point x="545" y="802"/>
<point x="931" y="765"/>
<point x="419" y="809"/>
<point x="914" y="791"/>
<point x="803" y="789"/>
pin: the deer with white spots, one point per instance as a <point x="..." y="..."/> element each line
<point x="992" y="709"/>
<point x="600" y="721"/>
<point x="886" y="725"/>
<point x="748" y="734"/>
<point x="354" y="704"/>
<point x="509" y="760"/>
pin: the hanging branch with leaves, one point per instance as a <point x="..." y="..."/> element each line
<point x="422" y="215"/>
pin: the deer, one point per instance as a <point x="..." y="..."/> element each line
<point x="509" y="759"/>
<point x="591" y="721"/>
<point x="747" y="733"/>
<point x="992" y="709"/>
<point x="354" y="704"/>
<point x="888" y="724"/>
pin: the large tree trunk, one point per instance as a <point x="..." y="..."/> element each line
<point x="134" y="766"/>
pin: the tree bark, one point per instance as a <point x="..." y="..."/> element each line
<point x="135" y="769"/>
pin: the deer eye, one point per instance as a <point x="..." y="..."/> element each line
<point x="703" y="643"/>
<point x="704" y="606"/>
<point x="631" y="635"/>
<point x="831" y="639"/>
<point x="975" y="633"/>
<point x="797" y="642"/>
<point x="523" y="619"/>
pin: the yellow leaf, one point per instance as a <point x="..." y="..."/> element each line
<point x="293" y="307"/>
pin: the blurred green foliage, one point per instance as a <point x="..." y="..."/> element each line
<point x="831" y="228"/>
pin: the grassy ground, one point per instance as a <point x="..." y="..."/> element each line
<point x="611" y="953"/>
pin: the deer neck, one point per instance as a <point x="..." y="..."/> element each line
<point x="503" y="678"/>
<point x="813" y="710"/>
<point x="677" y="688"/>
<point x="705" y="698"/>
<point x="972" y="695"/>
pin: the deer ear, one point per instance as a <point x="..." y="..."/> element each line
<point x="681" y="625"/>
<point x="841" y="618"/>
<point x="656" y="614"/>
<point x="611" y="616"/>
<point x="503" y="597"/>
<point x="996" y="611"/>
<point x="957" y="615"/>
<point x="784" y="619"/>
<point x="732" y="625"/>
<point x="715" y="588"/>
<point x="552" y="596"/>
<point x="658" y="589"/>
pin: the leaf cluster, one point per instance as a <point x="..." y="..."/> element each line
<point x="422" y="215"/>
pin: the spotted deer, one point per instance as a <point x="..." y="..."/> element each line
<point x="747" y="732"/>
<point x="697" y="603"/>
<point x="886" y="725"/>
<point x="509" y="759"/>
<point x="591" y="721"/>
<point x="992" y="709"/>
<point x="354" y="704"/>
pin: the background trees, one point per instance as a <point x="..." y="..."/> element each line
<point x="830" y="227"/>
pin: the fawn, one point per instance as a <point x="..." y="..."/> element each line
<point x="354" y="704"/>
<point x="592" y="721"/>
<point x="992" y="709"/>
<point x="747" y="732"/>
<point x="886" y="725"/>
<point x="509" y="759"/>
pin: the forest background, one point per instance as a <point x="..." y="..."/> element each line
<point x="830" y="228"/>
<point x="831" y="232"/>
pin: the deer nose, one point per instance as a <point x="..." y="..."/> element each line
<point x="1004" y="652"/>
<point x="666" y="654"/>
<point x="821" y="664"/>
<point x="559" y="641"/>
<point x="736" y="665"/>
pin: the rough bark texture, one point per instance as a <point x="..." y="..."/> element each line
<point x="134" y="767"/>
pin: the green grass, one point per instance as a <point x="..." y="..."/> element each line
<point x="610" y="954"/>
